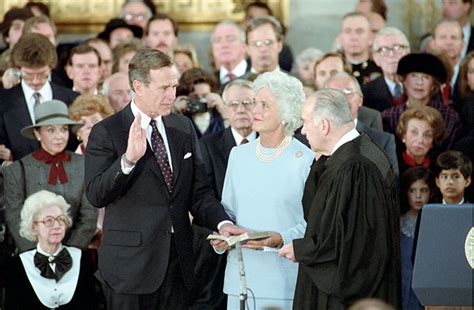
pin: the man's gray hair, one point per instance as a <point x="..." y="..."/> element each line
<point x="332" y="104"/>
<point x="34" y="205"/>
<point x="238" y="83"/>
<point x="148" y="10"/>
<point x="345" y="75"/>
<point x="447" y="21"/>
<point x="390" y="31"/>
<point x="290" y="97"/>
<point x="233" y="24"/>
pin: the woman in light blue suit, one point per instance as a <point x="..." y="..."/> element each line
<point x="263" y="189"/>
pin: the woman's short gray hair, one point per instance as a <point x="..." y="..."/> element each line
<point x="34" y="205"/>
<point x="290" y="97"/>
<point x="332" y="104"/>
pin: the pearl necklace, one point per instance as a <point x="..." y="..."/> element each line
<point x="267" y="158"/>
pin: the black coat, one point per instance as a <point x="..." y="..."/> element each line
<point x="14" y="116"/>
<point x="134" y="254"/>
<point x="351" y="247"/>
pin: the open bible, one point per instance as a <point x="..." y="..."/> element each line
<point x="232" y="240"/>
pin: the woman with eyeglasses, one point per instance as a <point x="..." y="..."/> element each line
<point x="51" y="168"/>
<point x="51" y="275"/>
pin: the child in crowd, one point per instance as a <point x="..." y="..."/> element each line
<point x="453" y="176"/>
<point x="417" y="188"/>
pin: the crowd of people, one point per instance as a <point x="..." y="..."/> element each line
<point x="121" y="154"/>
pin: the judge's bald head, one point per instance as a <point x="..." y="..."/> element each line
<point x="326" y="118"/>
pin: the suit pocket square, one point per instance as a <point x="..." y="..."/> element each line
<point x="187" y="155"/>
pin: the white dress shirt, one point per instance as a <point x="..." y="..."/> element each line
<point x="46" y="94"/>
<point x="238" y="71"/>
<point x="238" y="138"/>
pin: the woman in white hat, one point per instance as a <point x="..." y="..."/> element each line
<point x="50" y="168"/>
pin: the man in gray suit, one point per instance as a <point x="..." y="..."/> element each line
<point x="351" y="88"/>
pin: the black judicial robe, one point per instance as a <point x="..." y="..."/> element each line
<point x="351" y="247"/>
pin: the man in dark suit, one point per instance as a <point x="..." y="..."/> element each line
<point x="35" y="55"/>
<point x="144" y="165"/>
<point x="351" y="88"/>
<point x="386" y="91"/>
<point x="229" y="50"/>
<point x="460" y="10"/>
<point x="237" y="96"/>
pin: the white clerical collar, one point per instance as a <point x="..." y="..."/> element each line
<point x="238" y="71"/>
<point x="238" y="138"/>
<point x="460" y="203"/>
<point x="349" y="136"/>
<point x="96" y="91"/>
<point x="275" y="70"/>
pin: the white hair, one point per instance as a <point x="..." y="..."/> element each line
<point x="390" y="31"/>
<point x="345" y="75"/>
<point x="233" y="24"/>
<point x="290" y="97"/>
<point x="238" y="83"/>
<point x="34" y="205"/>
<point x="332" y="104"/>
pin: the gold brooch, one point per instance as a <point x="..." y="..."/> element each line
<point x="299" y="154"/>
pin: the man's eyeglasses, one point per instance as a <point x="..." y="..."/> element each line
<point x="234" y="104"/>
<point x="348" y="91"/>
<point x="28" y="76"/>
<point x="259" y="43"/>
<point x="139" y="17"/>
<point x="48" y="221"/>
<point x="397" y="49"/>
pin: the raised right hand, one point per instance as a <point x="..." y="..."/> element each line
<point x="136" y="146"/>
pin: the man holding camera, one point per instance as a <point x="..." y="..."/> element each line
<point x="197" y="98"/>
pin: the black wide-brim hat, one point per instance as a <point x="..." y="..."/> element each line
<point x="117" y="23"/>
<point x="424" y="63"/>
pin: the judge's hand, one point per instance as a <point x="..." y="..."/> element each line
<point x="288" y="252"/>
<point x="220" y="246"/>
<point x="274" y="241"/>
<point x="136" y="146"/>
<point x="229" y="229"/>
<point x="5" y="153"/>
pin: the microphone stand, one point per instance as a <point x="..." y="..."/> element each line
<point x="243" y="280"/>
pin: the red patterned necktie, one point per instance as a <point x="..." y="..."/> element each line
<point x="161" y="155"/>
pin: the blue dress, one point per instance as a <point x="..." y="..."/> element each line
<point x="263" y="196"/>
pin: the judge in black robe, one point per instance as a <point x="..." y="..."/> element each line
<point x="351" y="247"/>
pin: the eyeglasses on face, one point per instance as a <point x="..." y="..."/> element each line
<point x="259" y="43"/>
<point x="139" y="17"/>
<point x="30" y="76"/>
<point x="397" y="49"/>
<point x="48" y="221"/>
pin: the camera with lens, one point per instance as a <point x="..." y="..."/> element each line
<point x="197" y="105"/>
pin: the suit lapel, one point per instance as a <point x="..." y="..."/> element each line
<point x="20" y="115"/>
<point x="227" y="144"/>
